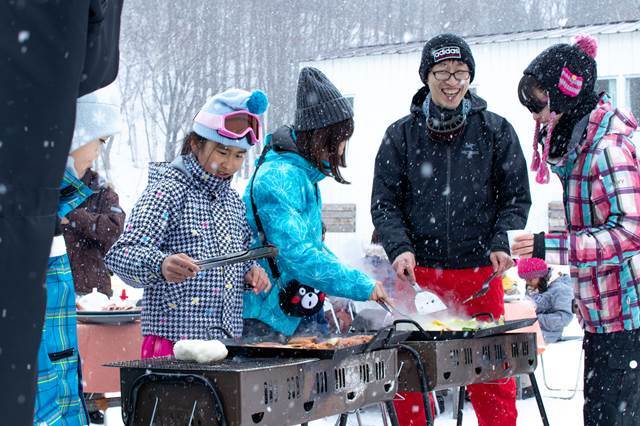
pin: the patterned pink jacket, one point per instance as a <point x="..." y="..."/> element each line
<point x="601" y="185"/>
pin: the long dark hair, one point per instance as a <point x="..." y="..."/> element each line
<point x="186" y="143"/>
<point x="543" y="284"/>
<point x="314" y="143"/>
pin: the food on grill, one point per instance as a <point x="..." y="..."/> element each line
<point x="314" y="342"/>
<point x="201" y="351"/>
<point x="458" y="324"/>
<point x="303" y="340"/>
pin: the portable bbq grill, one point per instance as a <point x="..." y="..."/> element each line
<point x="244" y="390"/>
<point x="459" y="358"/>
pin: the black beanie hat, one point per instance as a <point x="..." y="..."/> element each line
<point x="567" y="71"/>
<point x="443" y="47"/>
<point x="318" y="102"/>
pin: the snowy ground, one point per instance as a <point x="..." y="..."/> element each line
<point x="561" y="367"/>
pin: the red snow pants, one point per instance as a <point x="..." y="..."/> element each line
<point x="495" y="402"/>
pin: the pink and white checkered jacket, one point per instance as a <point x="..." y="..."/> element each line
<point x="601" y="183"/>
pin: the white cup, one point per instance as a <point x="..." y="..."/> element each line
<point x="511" y="235"/>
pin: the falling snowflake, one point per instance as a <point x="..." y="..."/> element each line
<point x="23" y="36"/>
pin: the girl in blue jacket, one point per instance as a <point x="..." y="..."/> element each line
<point x="284" y="193"/>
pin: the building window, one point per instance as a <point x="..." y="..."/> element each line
<point x="633" y="95"/>
<point x="607" y="85"/>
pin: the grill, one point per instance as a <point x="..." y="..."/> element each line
<point x="242" y="391"/>
<point x="443" y="364"/>
<point x="460" y="362"/>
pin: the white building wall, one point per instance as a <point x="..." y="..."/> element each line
<point x="383" y="86"/>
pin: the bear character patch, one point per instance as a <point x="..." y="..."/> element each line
<point x="301" y="300"/>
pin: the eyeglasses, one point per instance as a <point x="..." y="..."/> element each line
<point x="235" y="125"/>
<point x="446" y="75"/>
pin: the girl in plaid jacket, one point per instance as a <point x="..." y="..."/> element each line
<point x="59" y="398"/>
<point x="190" y="212"/>
<point x="588" y="142"/>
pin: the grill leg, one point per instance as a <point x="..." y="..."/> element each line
<point x="460" y="405"/>
<point x="536" y="392"/>
<point x="358" y="419"/>
<point x="385" y="422"/>
<point x="342" y="421"/>
<point x="391" y="411"/>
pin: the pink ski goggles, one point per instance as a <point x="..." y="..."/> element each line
<point x="234" y="125"/>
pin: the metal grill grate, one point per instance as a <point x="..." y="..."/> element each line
<point x="232" y="364"/>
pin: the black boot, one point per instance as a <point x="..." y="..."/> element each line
<point x="96" y="417"/>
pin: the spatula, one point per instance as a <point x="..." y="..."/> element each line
<point x="427" y="302"/>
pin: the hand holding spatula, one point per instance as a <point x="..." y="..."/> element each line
<point x="425" y="301"/>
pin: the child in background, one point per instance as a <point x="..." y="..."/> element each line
<point x="91" y="229"/>
<point x="189" y="211"/>
<point x="59" y="395"/>
<point x="553" y="296"/>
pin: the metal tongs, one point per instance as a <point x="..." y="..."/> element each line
<point x="483" y="290"/>
<point x="393" y="310"/>
<point x="238" y="257"/>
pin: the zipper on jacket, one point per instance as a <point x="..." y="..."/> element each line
<point x="448" y="203"/>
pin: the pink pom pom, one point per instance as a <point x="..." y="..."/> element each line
<point x="542" y="177"/>
<point x="535" y="160"/>
<point x="587" y="44"/>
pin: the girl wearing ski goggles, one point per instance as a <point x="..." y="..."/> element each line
<point x="234" y="125"/>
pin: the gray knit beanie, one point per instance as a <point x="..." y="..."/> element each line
<point x="318" y="102"/>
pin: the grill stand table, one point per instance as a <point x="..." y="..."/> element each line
<point x="254" y="391"/>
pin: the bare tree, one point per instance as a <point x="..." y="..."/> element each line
<point x="175" y="54"/>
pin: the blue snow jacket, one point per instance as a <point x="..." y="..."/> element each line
<point x="553" y="308"/>
<point x="285" y="191"/>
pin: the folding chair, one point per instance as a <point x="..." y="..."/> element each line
<point x="573" y="390"/>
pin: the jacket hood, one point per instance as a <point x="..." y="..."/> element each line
<point x="477" y="103"/>
<point x="282" y="140"/>
<point x="175" y="169"/>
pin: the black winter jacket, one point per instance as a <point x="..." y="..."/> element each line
<point x="449" y="203"/>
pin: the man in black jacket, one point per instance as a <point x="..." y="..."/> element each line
<point x="450" y="178"/>
<point x="51" y="52"/>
